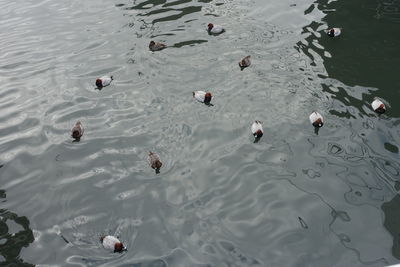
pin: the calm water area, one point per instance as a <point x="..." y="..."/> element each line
<point x="295" y="198"/>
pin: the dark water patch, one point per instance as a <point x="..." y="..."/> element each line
<point x="346" y="114"/>
<point x="212" y="15"/>
<point x="391" y="148"/>
<point x="12" y="243"/>
<point x="387" y="10"/>
<point x="189" y="43"/>
<point x="309" y="10"/>
<point x="157" y="8"/>
<point x="175" y="3"/>
<point x="346" y="100"/>
<point x="183" y="12"/>
<point x="162" y="34"/>
<point x="147" y="4"/>
<point x="351" y="65"/>
<point x="392" y="222"/>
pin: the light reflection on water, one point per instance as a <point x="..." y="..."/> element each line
<point x="293" y="199"/>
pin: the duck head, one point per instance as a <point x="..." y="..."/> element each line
<point x="99" y="83"/>
<point x="258" y="134"/>
<point x="76" y="134"/>
<point x="381" y="109"/>
<point x="119" y="247"/>
<point x="207" y="98"/>
<point x="318" y="123"/>
<point x="152" y="43"/>
<point x="157" y="164"/>
<point x="210" y="26"/>
<point x="77" y="130"/>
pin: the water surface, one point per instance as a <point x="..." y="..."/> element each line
<point x="295" y="198"/>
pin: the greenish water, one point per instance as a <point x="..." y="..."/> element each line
<point x="295" y="198"/>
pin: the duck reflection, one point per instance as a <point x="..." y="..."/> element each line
<point x="12" y="243"/>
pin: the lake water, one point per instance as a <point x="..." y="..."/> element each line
<point x="295" y="198"/>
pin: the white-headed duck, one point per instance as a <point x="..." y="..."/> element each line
<point x="103" y="81"/>
<point x="203" y="97"/>
<point x="257" y="130"/>
<point x="333" y="32"/>
<point x="111" y="243"/>
<point x="214" y="29"/>
<point x="316" y="119"/>
<point x="378" y="106"/>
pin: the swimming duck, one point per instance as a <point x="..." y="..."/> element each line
<point x="154" y="161"/>
<point x="245" y="62"/>
<point x="256" y="129"/>
<point x="378" y="106"/>
<point x="215" y="29"/>
<point x="333" y="32"/>
<point x="77" y="131"/>
<point x="112" y="243"/>
<point x="201" y="96"/>
<point x="316" y="119"/>
<point x="153" y="46"/>
<point x="104" y="81"/>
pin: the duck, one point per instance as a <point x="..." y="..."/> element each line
<point x="378" y="106"/>
<point x="333" y="32"/>
<point x="316" y="119"/>
<point x="203" y="97"/>
<point x="245" y="62"/>
<point x="215" y="29"/>
<point x="153" y="46"/>
<point x="154" y="161"/>
<point x="104" y="81"/>
<point x="77" y="131"/>
<point x="256" y="129"/>
<point x="111" y="243"/>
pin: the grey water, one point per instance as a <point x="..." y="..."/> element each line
<point x="295" y="198"/>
